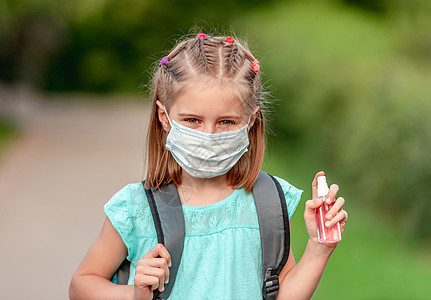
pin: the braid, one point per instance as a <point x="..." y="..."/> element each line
<point x="199" y="53"/>
<point x="249" y="55"/>
<point x="213" y="53"/>
<point x="178" y="48"/>
<point x="215" y="57"/>
<point x="232" y="60"/>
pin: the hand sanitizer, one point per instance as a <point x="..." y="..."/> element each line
<point x="325" y="234"/>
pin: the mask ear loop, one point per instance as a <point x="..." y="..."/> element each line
<point x="249" y="119"/>
<point x="164" y="108"/>
<point x="248" y="123"/>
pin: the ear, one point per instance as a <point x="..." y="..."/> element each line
<point x="253" y="117"/>
<point x="163" y="119"/>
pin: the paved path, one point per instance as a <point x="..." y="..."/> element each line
<point x="54" y="179"/>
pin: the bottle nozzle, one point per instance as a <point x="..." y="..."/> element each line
<point x="322" y="186"/>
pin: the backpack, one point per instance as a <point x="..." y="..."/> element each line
<point x="273" y="220"/>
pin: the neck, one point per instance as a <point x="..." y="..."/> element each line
<point x="203" y="191"/>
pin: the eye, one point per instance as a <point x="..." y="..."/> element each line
<point x="192" y="120"/>
<point x="226" y="122"/>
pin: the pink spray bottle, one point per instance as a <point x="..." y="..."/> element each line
<point x="325" y="234"/>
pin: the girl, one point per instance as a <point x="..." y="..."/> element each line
<point x="207" y="136"/>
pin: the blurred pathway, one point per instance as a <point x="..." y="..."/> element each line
<point x="71" y="157"/>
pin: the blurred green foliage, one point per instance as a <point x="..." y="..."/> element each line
<point x="353" y="96"/>
<point x="103" y="45"/>
<point x="352" y="78"/>
<point x="352" y="86"/>
<point x="372" y="261"/>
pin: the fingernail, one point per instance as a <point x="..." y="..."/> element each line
<point x="167" y="280"/>
<point x="170" y="264"/>
<point x="327" y="224"/>
<point x="163" y="287"/>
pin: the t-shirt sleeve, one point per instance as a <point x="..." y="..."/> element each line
<point x="292" y="195"/>
<point x="117" y="209"/>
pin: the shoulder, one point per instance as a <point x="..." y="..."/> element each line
<point x="123" y="197"/>
<point x="127" y="210"/>
<point x="287" y="187"/>
<point x="291" y="193"/>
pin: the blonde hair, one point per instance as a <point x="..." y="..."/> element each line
<point x="215" y="59"/>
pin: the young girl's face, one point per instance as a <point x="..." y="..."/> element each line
<point x="208" y="108"/>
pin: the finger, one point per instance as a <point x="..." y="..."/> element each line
<point x="343" y="222"/>
<point x="333" y="190"/>
<point x="346" y="216"/>
<point x="159" y="250"/>
<point x="155" y="272"/>
<point x="339" y="217"/>
<point x="142" y="280"/>
<point x="313" y="204"/>
<point x="159" y="262"/>
<point x="338" y="205"/>
<point x="314" y="184"/>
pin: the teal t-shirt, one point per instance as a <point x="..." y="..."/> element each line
<point x="222" y="255"/>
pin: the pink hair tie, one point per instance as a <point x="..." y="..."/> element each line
<point x="229" y="40"/>
<point x="164" y="60"/>
<point x="256" y="66"/>
<point x="202" y="35"/>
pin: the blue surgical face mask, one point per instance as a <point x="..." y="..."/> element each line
<point x="205" y="155"/>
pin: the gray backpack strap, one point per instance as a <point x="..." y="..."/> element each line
<point x="273" y="217"/>
<point x="123" y="272"/>
<point x="274" y="231"/>
<point x="167" y="211"/>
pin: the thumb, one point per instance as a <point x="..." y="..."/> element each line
<point x="314" y="184"/>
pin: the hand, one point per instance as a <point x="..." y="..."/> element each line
<point x="336" y="213"/>
<point x="152" y="272"/>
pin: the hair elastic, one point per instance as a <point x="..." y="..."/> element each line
<point x="229" y="40"/>
<point x="202" y="35"/>
<point x="164" y="60"/>
<point x="256" y="66"/>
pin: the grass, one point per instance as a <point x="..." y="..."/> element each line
<point x="373" y="260"/>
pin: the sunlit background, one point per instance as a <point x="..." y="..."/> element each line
<point x="350" y="85"/>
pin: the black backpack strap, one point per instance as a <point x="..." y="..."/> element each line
<point x="166" y="209"/>
<point x="274" y="231"/>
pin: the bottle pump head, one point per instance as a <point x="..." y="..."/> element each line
<point x="322" y="186"/>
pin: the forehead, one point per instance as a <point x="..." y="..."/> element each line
<point x="206" y="97"/>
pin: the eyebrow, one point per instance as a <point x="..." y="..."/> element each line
<point x="220" y="117"/>
<point x="188" y="115"/>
